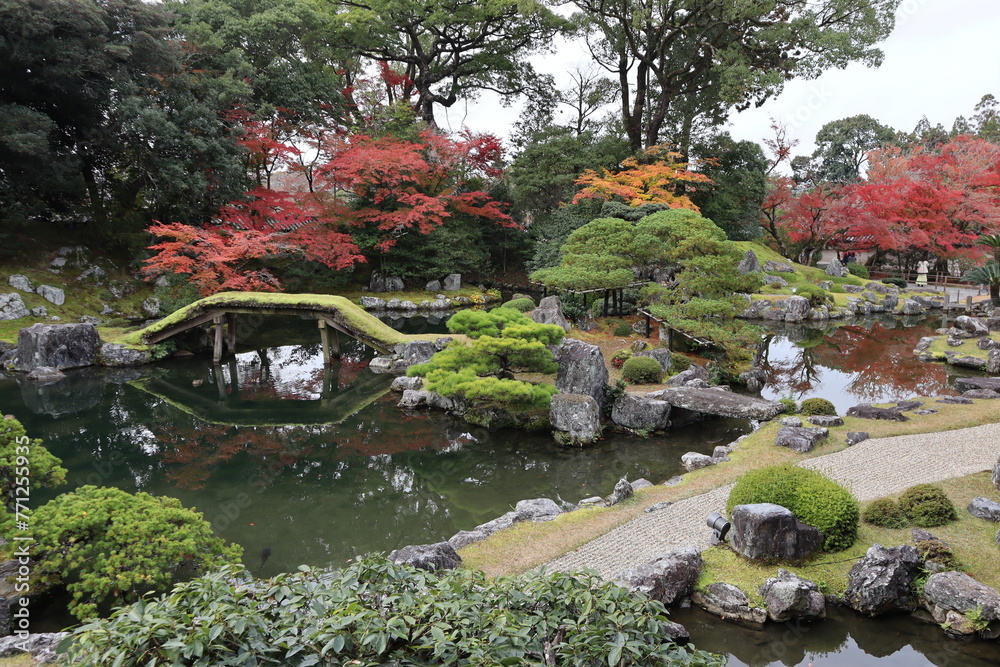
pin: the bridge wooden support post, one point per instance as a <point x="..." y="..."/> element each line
<point x="231" y="333"/>
<point x="220" y="380"/>
<point x="217" y="348"/>
<point x="330" y="344"/>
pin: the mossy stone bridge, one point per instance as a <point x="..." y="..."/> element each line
<point x="334" y="315"/>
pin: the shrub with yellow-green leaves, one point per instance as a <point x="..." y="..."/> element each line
<point x="110" y="546"/>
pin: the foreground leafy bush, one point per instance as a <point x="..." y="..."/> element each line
<point x="376" y="612"/>
<point x="817" y="406"/>
<point x="678" y="362"/>
<point x="927" y="505"/>
<point x="522" y="305"/>
<point x="620" y="357"/>
<point x="642" y="370"/>
<point x="813" y="498"/>
<point x="113" y="546"/>
<point x="623" y="329"/>
<point x="886" y="513"/>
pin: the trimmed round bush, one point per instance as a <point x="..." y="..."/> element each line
<point x="926" y="505"/>
<point x="886" y="513"/>
<point x="855" y="269"/>
<point x="817" y="295"/>
<point x="642" y="370"/>
<point x="623" y="329"/>
<point x="817" y="406"/>
<point x="522" y="305"/>
<point x="678" y="362"/>
<point x="791" y="407"/>
<point x="812" y="497"/>
<point x="897" y="282"/>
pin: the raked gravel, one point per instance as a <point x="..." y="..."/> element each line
<point x="871" y="469"/>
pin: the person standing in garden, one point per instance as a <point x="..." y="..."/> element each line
<point x="923" y="266"/>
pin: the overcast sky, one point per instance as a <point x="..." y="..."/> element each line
<point x="942" y="57"/>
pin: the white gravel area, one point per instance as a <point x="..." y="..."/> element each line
<point x="871" y="469"/>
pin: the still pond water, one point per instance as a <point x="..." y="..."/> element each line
<point x="251" y="445"/>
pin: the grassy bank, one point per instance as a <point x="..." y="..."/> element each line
<point x="529" y="545"/>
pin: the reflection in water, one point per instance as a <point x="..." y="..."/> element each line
<point x="862" y="362"/>
<point x="318" y="465"/>
<point x="844" y="639"/>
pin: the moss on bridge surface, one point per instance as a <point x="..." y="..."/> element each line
<point x="351" y="316"/>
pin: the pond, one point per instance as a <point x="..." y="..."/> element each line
<point x="319" y="465"/>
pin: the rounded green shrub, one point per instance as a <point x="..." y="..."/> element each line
<point x="642" y="370"/>
<point x="885" y="512"/>
<point x="859" y="270"/>
<point x="623" y="329"/>
<point x="522" y="305"/>
<point x="678" y="362"/>
<point x="897" y="282"/>
<point x="817" y="406"/>
<point x="791" y="407"/>
<point x="817" y="295"/>
<point x="813" y="498"/>
<point x="927" y="505"/>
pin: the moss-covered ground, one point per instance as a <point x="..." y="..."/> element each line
<point x="529" y="545"/>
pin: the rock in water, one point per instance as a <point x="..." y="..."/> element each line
<point x="58" y="345"/>
<point x="576" y="419"/>
<point x="767" y="532"/>
<point x="788" y="596"/>
<point x="641" y="413"/>
<point x="432" y="557"/>
<point x="582" y="370"/>
<point x="880" y="582"/>
<point x="729" y="602"/>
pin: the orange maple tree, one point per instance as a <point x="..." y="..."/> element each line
<point x="660" y="177"/>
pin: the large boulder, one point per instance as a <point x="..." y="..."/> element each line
<point x="383" y="283"/>
<point x="788" y="597"/>
<point x="963" y="385"/>
<point x="432" y="557"/>
<point x="730" y="603"/>
<point x="58" y="345"/>
<point x="641" y="413"/>
<point x="549" y="311"/>
<point x="452" y="282"/>
<point x="984" y="508"/>
<point x="796" y="308"/>
<point x="767" y="532"/>
<point x="694" y="461"/>
<point x="41" y="645"/>
<point x="576" y="419"/>
<point x="800" y="438"/>
<point x="12" y="308"/>
<point x="537" y="509"/>
<point x="582" y="370"/>
<point x="972" y="325"/>
<point x="19" y="282"/>
<point x="714" y="401"/>
<point x="950" y="596"/>
<point x="749" y="263"/>
<point x="52" y="294"/>
<point x="414" y="352"/>
<point x="695" y="372"/>
<point x="115" y="355"/>
<point x="880" y="583"/>
<point x="668" y="578"/>
<point x="778" y="267"/>
<point x="870" y="412"/>
<point x="836" y="269"/>
<point x="623" y="491"/>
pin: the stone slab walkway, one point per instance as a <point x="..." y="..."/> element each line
<point x="871" y="469"/>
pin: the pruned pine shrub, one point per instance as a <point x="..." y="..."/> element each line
<point x="817" y="406"/>
<point x="885" y="513"/>
<point x="522" y="305"/>
<point x="812" y="497"/>
<point x="642" y="370"/>
<point x="375" y="612"/>
<point x="927" y="505"/>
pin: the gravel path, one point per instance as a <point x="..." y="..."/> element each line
<point x="871" y="469"/>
